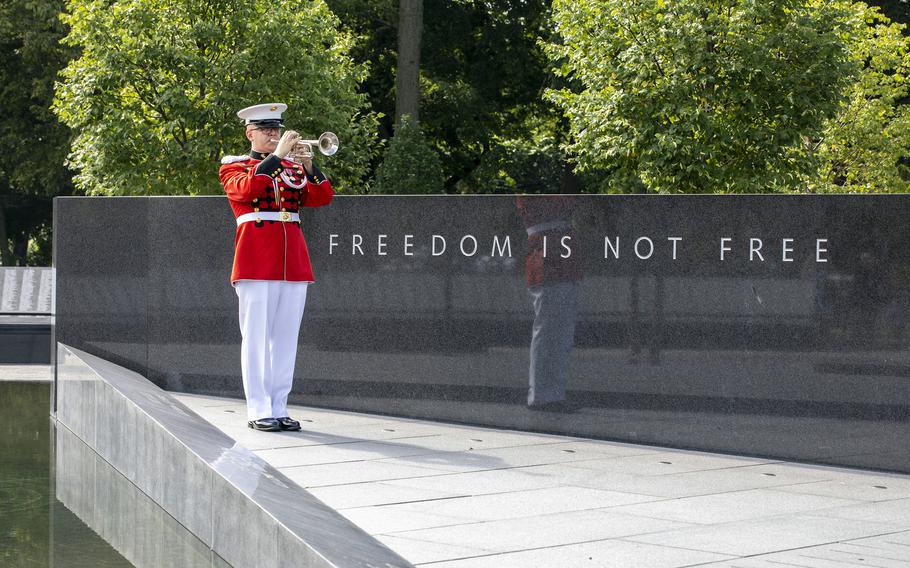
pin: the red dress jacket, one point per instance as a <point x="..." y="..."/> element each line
<point x="550" y="216"/>
<point x="263" y="249"/>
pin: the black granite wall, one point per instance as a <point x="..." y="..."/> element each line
<point x="762" y="325"/>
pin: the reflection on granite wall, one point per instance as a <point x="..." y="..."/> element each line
<point x="103" y="499"/>
<point x="765" y="325"/>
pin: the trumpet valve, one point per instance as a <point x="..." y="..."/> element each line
<point x="301" y="150"/>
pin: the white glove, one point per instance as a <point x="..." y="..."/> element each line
<point x="288" y="139"/>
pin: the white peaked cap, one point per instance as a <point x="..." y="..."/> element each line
<point x="265" y="112"/>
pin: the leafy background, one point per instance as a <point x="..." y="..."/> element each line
<point x="138" y="97"/>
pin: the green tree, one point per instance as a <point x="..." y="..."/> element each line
<point x="865" y="148"/>
<point x="33" y="144"/>
<point x="153" y="97"/>
<point x="699" y="95"/>
<point x="896" y="10"/>
<point x="482" y="72"/>
<point x="410" y="165"/>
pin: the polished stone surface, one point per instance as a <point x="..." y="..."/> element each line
<point x="101" y="258"/>
<point x="190" y="298"/>
<point x="118" y="511"/>
<point x="26" y="290"/>
<point x="249" y="513"/>
<point x="705" y="322"/>
<point x="469" y="497"/>
<point x="25" y="340"/>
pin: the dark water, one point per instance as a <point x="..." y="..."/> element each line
<point x="35" y="528"/>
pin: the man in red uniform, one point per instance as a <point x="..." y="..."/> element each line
<point x="553" y="276"/>
<point x="271" y="263"/>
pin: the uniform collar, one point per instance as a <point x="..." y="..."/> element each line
<point x="258" y="155"/>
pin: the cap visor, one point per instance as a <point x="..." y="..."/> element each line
<point x="267" y="123"/>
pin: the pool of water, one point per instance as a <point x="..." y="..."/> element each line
<point x="35" y="528"/>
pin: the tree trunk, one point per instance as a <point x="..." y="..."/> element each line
<point x="407" y="79"/>
<point x="5" y="256"/>
<point x="20" y="251"/>
<point x="569" y="182"/>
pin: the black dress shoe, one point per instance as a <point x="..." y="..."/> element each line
<point x="264" y="424"/>
<point x="288" y="423"/>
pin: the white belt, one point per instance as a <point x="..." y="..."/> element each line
<point x="541" y="227"/>
<point x="283" y="216"/>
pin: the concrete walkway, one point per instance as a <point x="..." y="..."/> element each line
<point x="39" y="373"/>
<point x="451" y="496"/>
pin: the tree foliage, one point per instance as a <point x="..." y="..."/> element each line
<point x="33" y="145"/>
<point x="866" y="147"/>
<point x="153" y="97"/>
<point x="700" y="95"/>
<point x="896" y="10"/>
<point x="482" y="73"/>
<point x="410" y="165"/>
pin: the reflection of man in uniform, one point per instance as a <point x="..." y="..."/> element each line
<point x="271" y="264"/>
<point x="553" y="275"/>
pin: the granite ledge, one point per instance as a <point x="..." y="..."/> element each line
<point x="293" y="528"/>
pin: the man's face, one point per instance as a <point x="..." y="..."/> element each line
<point x="263" y="140"/>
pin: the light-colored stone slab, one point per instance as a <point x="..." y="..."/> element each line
<point x="484" y="482"/>
<point x="38" y="373"/>
<point x="498" y="458"/>
<point x="694" y="483"/>
<point x="419" y="552"/>
<point x="770" y="534"/>
<point x="388" y="520"/>
<point x="733" y="506"/>
<point x="664" y="463"/>
<point x="887" y="551"/>
<point x="601" y="554"/>
<point x="525" y="503"/>
<point x="346" y="473"/>
<point x="894" y="512"/>
<point x="338" y="453"/>
<point x="341" y="497"/>
<point x="455" y="496"/>
<point x="870" y="489"/>
<point x="543" y="531"/>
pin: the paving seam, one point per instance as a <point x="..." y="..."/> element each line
<point x="336" y="443"/>
<point x="442" y="471"/>
<point x="829" y="543"/>
<point x="511" y="492"/>
<point x="731" y="557"/>
<point x="850" y="553"/>
<point x="402" y="457"/>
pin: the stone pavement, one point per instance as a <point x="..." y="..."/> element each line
<point x="26" y="373"/>
<point x="454" y="496"/>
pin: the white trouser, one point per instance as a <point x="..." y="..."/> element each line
<point x="270" y="314"/>
<point x="555" y="308"/>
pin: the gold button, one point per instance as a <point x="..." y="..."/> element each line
<point x="283" y="209"/>
<point x="282" y="199"/>
<point x="258" y="220"/>
<point x="256" y="210"/>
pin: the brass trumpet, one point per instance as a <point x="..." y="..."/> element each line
<point x="327" y="144"/>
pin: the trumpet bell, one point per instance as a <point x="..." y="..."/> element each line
<point x="303" y="149"/>
<point x="328" y="143"/>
